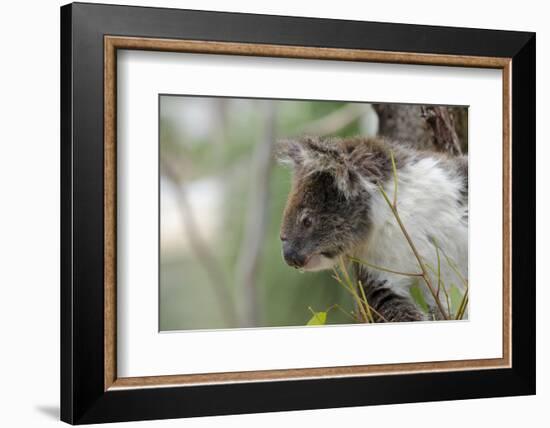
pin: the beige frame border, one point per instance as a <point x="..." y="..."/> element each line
<point x="112" y="43"/>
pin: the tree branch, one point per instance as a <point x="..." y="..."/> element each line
<point x="206" y="259"/>
<point x="335" y="120"/>
<point x="257" y="217"/>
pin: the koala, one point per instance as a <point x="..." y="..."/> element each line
<point x="335" y="209"/>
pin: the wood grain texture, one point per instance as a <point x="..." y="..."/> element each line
<point x="110" y="223"/>
<point x="301" y="52"/>
<point x="296" y="374"/>
<point x="112" y="43"/>
<point x="507" y="213"/>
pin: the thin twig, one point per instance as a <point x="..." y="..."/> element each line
<point x="383" y="269"/>
<point x="443" y="287"/>
<point x="438" y="267"/>
<point x="464" y="301"/>
<point x="367" y="306"/>
<point x="394" y="169"/>
<point x="337" y="306"/>
<point x="425" y="274"/>
<point x="455" y="269"/>
<point x="462" y="307"/>
<point x="358" y="300"/>
<point x="351" y="290"/>
<point x="378" y="314"/>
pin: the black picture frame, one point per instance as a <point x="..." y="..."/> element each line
<point x="83" y="398"/>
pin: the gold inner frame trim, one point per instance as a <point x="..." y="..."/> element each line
<point x="113" y="43"/>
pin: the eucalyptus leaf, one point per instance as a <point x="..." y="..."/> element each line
<point x="456" y="297"/>
<point x="318" y="318"/>
<point x="418" y="297"/>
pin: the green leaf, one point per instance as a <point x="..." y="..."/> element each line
<point x="418" y="297"/>
<point x="318" y="318"/>
<point x="456" y="297"/>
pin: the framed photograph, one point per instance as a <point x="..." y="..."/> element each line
<point x="265" y="213"/>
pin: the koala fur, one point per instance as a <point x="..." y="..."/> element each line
<point x="335" y="208"/>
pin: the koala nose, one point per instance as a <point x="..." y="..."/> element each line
<point x="292" y="256"/>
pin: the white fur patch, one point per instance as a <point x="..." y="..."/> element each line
<point x="427" y="202"/>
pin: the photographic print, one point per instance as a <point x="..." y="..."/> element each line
<point x="279" y="213"/>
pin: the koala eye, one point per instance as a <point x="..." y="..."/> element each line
<point x="306" y="222"/>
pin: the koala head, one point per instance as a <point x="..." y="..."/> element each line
<point x="327" y="211"/>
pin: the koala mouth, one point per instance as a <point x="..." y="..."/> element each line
<point x="314" y="261"/>
<point x="319" y="261"/>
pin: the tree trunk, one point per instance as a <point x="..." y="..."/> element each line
<point x="460" y="118"/>
<point x="440" y="120"/>
<point x="438" y="128"/>
<point x="404" y="122"/>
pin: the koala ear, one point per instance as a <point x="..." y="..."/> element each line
<point x="289" y="152"/>
<point x="347" y="180"/>
<point x="330" y="156"/>
<point x="308" y="152"/>
<point x="313" y="155"/>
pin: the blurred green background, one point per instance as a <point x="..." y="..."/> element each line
<point x="222" y="197"/>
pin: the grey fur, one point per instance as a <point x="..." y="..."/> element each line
<point x="326" y="188"/>
<point x="389" y="306"/>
